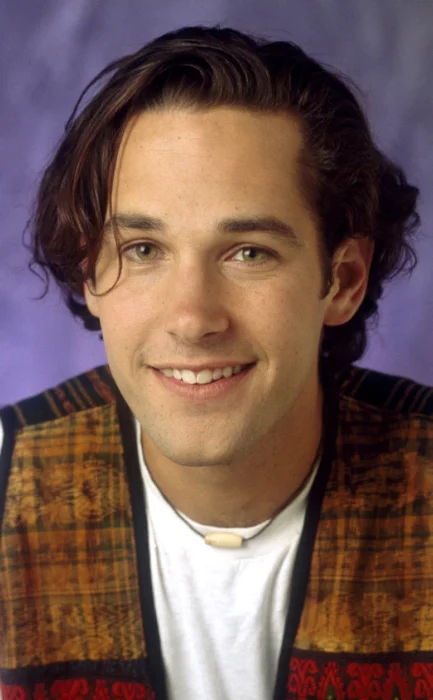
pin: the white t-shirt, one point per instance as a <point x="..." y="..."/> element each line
<point x="220" y="612"/>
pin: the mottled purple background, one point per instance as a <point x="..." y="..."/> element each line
<point x="49" y="50"/>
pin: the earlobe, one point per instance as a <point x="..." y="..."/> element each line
<point x="351" y="270"/>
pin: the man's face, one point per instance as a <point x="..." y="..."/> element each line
<point x="197" y="293"/>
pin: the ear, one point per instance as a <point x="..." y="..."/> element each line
<point x="351" y="267"/>
<point x="91" y="301"/>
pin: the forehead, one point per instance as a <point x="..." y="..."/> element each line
<point x="192" y="169"/>
<point x="223" y="144"/>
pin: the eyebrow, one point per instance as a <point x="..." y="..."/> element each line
<point x="266" y="224"/>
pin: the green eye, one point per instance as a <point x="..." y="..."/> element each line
<point x="137" y="251"/>
<point x="260" y="251"/>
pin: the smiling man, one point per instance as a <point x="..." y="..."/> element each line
<point x="231" y="508"/>
<point x="215" y="268"/>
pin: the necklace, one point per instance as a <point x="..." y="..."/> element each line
<point x="232" y="540"/>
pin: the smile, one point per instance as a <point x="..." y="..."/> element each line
<point x="208" y="390"/>
<point x="205" y="376"/>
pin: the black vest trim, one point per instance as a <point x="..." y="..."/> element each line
<point x="9" y="421"/>
<point x="139" y="517"/>
<point x="301" y="572"/>
<point x="135" y="669"/>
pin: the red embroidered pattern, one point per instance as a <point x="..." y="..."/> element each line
<point x="302" y="679"/>
<point x="331" y="683"/>
<point x="309" y="679"/>
<point x="12" y="692"/>
<point x="338" y="680"/>
<point x="78" y="689"/>
<point x="70" y="690"/>
<point x="424" y="683"/>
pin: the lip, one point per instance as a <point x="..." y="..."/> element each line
<point x="203" y="392"/>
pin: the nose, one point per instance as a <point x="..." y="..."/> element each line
<point x="196" y="303"/>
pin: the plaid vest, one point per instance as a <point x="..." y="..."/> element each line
<point x="77" y="616"/>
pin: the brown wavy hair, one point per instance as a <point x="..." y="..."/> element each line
<point x="352" y="189"/>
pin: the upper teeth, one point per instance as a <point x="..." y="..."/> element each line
<point x="205" y="376"/>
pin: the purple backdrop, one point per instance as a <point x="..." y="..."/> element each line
<point x="49" y="50"/>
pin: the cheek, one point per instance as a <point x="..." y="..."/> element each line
<point x="295" y="320"/>
<point x="121" y="324"/>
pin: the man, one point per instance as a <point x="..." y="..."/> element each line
<point x="230" y="509"/>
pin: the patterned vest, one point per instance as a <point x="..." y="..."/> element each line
<point x="77" y="616"/>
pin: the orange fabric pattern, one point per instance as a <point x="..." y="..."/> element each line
<point x="67" y="552"/>
<point x="371" y="580"/>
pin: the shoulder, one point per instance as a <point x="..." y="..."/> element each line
<point x="390" y="395"/>
<point x="86" y="391"/>
<point x="78" y="399"/>
<point x="40" y="427"/>
<point x="83" y="406"/>
<point x="48" y="436"/>
<point x="385" y="422"/>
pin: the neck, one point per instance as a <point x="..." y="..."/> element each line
<point x="253" y="489"/>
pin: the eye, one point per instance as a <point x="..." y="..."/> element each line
<point x="136" y="252"/>
<point x="261" y="251"/>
